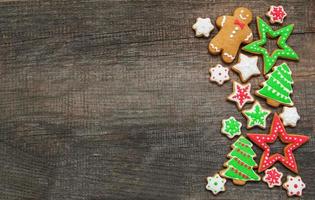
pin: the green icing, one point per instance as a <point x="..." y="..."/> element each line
<point x="245" y="148"/>
<point x="278" y="86"/>
<point x="244" y="157"/>
<point x="231" y="127"/>
<point x="241" y="163"/>
<point x="256" y="116"/>
<point x="284" y="51"/>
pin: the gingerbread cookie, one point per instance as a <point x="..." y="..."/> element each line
<point x="284" y="51"/>
<point x="294" y="186"/>
<point x="289" y="116"/>
<point x="219" y="74"/>
<point x="292" y="142"/>
<point x="276" y="14"/>
<point x="234" y="30"/>
<point x="256" y="116"/>
<point x="203" y="27"/>
<point x="231" y="127"/>
<point x="241" y="94"/>
<point x="240" y="166"/>
<point x="246" y="67"/>
<point x="273" y="177"/>
<point x="278" y="87"/>
<point x="216" y="184"/>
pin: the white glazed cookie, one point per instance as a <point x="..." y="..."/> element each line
<point x="289" y="116"/>
<point x="294" y="185"/>
<point x="219" y="74"/>
<point x="216" y="184"/>
<point x="246" y="67"/>
<point x="203" y="27"/>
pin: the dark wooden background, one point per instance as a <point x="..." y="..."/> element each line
<point x="110" y="100"/>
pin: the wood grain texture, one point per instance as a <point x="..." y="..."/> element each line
<point x="110" y="100"/>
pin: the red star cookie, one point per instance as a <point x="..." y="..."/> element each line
<point x="241" y="94"/>
<point x="277" y="130"/>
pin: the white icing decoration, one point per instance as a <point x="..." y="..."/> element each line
<point x="228" y="55"/>
<point x="216" y="48"/>
<point x="203" y="27"/>
<point x="247" y="67"/>
<point x="294" y="185"/>
<point x="216" y="184"/>
<point x="223" y="21"/>
<point x="289" y="116"/>
<point x="219" y="74"/>
<point x="247" y="38"/>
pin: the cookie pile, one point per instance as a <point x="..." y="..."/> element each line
<point x="276" y="89"/>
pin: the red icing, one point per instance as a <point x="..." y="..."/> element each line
<point x="277" y="13"/>
<point x="295" y="185"/>
<point x="273" y="177"/>
<point x="242" y="95"/>
<point x="277" y="130"/>
<point x="239" y="23"/>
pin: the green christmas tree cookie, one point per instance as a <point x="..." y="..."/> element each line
<point x="284" y="50"/>
<point x="240" y="166"/>
<point x="256" y="116"/>
<point x="278" y="87"/>
<point x="231" y="127"/>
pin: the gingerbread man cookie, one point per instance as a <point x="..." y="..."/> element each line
<point x="234" y="30"/>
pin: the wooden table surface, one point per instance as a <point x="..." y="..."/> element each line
<point x="111" y="100"/>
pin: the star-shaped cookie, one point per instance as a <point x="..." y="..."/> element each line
<point x="292" y="141"/>
<point x="216" y="184"/>
<point x="256" y="116"/>
<point x="246" y="67"/>
<point x="241" y="94"/>
<point x="203" y="27"/>
<point x="289" y="116"/>
<point x="284" y="51"/>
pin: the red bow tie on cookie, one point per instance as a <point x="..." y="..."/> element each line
<point x="239" y="23"/>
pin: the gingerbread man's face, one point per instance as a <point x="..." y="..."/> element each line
<point x="243" y="14"/>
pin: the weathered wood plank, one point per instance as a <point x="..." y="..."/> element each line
<point x="110" y="99"/>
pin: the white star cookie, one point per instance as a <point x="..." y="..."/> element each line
<point x="203" y="27"/>
<point x="294" y="185"/>
<point x="246" y="67"/>
<point x="216" y="184"/>
<point x="219" y="74"/>
<point x="289" y="116"/>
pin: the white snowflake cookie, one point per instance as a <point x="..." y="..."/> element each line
<point x="203" y="27"/>
<point x="246" y="67"/>
<point x="289" y="116"/>
<point x="219" y="74"/>
<point x="216" y="184"/>
<point x="294" y="185"/>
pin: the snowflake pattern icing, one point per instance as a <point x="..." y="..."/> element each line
<point x="276" y="14"/>
<point x="273" y="177"/>
<point x="241" y="94"/>
<point x="231" y="127"/>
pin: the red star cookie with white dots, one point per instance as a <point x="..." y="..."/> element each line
<point x="293" y="142"/>
<point x="241" y="94"/>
